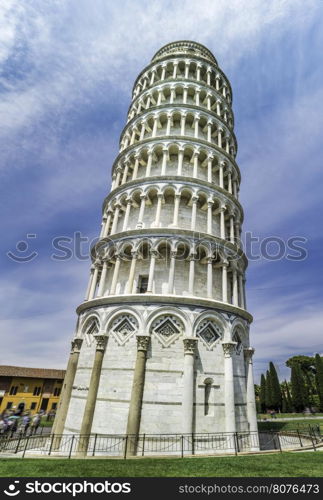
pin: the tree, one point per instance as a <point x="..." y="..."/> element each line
<point x="268" y="391"/>
<point x="286" y="393"/>
<point x="319" y="378"/>
<point x="299" y="394"/>
<point x="262" y="393"/>
<point x="276" y="395"/>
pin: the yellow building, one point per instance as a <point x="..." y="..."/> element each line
<point x="31" y="389"/>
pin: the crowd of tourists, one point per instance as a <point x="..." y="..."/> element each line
<point x="23" y="424"/>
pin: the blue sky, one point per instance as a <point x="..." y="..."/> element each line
<point x="66" y="74"/>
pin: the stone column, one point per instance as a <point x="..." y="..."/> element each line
<point x="175" y="70"/>
<point x="197" y="97"/>
<point x="126" y="215"/>
<point x="135" y="168"/>
<point x="164" y="161"/>
<point x="231" y="229"/>
<point x="177" y="200"/>
<point x="185" y="94"/>
<point x="209" y="216"/>
<point x="94" y="281"/>
<point x="140" y="222"/>
<point x="86" y="426"/>
<point x="209" y="131"/>
<point x="183" y="119"/>
<point x="60" y="418"/>
<point x="134" y="416"/>
<point x="218" y="110"/>
<point x="230" y="182"/>
<point x="115" y="218"/>
<point x="241" y="290"/>
<point x="115" y="275"/>
<point x="158" y="209"/>
<point x="149" y="162"/>
<point x="191" y="275"/>
<point x="107" y="224"/>
<point x="220" y="137"/>
<point x="194" y="208"/>
<point x="209" y="168"/>
<point x="209" y="280"/>
<point x="153" y="256"/>
<point x="198" y="72"/>
<point x="180" y="161"/>
<point x="196" y="126"/>
<point x="224" y="282"/>
<point x="251" y="401"/>
<point x="230" y="419"/>
<point x="221" y="168"/>
<point x="195" y="164"/>
<point x="222" y="225"/>
<point x="132" y="272"/>
<point x="190" y="344"/>
<point x="103" y="278"/>
<point x="125" y="173"/>
<point x="171" y="272"/>
<point x="87" y="295"/>
<point x="142" y="131"/>
<point x="169" y="122"/>
<point x="235" y="288"/>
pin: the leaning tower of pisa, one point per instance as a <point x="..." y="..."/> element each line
<point x="162" y="339"/>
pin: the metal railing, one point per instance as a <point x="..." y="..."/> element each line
<point x="68" y="445"/>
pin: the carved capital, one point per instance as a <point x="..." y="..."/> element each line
<point x="248" y="353"/>
<point x="143" y="342"/>
<point x="228" y="348"/>
<point x="190" y="344"/>
<point x="101" y="341"/>
<point x="76" y="345"/>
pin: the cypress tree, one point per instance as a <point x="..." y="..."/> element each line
<point x="276" y="395"/>
<point x="268" y="391"/>
<point x="299" y="398"/>
<point x="289" y="402"/>
<point x="319" y="378"/>
<point x="262" y="393"/>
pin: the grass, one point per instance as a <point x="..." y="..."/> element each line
<point x="290" y="425"/>
<point x="308" y="464"/>
<point x="290" y="415"/>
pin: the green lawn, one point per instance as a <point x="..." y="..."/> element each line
<point x="275" y="465"/>
<point x="290" y="415"/>
<point x="290" y="424"/>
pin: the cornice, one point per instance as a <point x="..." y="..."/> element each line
<point x="151" y="299"/>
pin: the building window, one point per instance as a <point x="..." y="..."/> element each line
<point x="13" y="390"/>
<point x="57" y="391"/>
<point x="54" y="406"/>
<point x="33" y="406"/>
<point x="9" y="405"/>
<point x="142" y="284"/>
<point x="207" y="393"/>
<point x="37" y="391"/>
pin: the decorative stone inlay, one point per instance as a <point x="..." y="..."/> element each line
<point x="190" y="345"/>
<point x="143" y="342"/>
<point x="167" y="329"/>
<point x="209" y="333"/>
<point x="123" y="327"/>
<point x="92" y="327"/>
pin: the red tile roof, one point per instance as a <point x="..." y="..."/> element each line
<point x="22" y="371"/>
